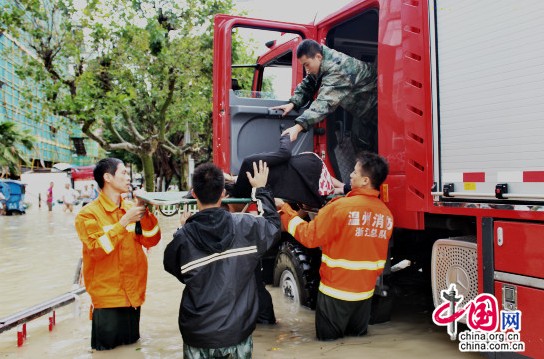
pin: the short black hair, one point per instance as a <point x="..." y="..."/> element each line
<point x="208" y="183"/>
<point x="374" y="166"/>
<point x="105" y="165"/>
<point x="309" y="48"/>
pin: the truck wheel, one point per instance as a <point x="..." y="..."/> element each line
<point x="289" y="284"/>
<point x="295" y="274"/>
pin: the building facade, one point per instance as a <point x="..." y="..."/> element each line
<point x="58" y="141"/>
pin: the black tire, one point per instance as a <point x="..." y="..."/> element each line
<point x="296" y="271"/>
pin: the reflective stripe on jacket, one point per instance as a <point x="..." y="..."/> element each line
<point x="353" y="233"/>
<point x="114" y="262"/>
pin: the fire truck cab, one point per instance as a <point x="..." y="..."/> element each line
<point x="460" y="89"/>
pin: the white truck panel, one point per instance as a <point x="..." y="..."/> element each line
<point x="489" y="82"/>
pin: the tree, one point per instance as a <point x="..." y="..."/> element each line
<point x="132" y="74"/>
<point x="10" y="156"/>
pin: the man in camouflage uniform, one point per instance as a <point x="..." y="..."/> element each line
<point x="342" y="81"/>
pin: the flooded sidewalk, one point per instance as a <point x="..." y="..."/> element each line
<point x="39" y="253"/>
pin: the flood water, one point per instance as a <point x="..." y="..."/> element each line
<point x="39" y="253"/>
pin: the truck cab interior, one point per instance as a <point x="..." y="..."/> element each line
<point x="358" y="38"/>
<point x="272" y="83"/>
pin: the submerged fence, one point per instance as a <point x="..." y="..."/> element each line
<point x="20" y="319"/>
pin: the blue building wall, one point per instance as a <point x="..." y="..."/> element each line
<point x="54" y="135"/>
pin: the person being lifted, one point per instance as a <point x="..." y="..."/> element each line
<point x="339" y="80"/>
<point x="353" y="233"/>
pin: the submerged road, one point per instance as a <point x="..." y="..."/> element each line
<point x="39" y="253"/>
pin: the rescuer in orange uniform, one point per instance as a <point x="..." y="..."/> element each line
<point x="353" y="233"/>
<point x="114" y="262"/>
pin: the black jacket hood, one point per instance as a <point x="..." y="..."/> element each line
<point x="211" y="230"/>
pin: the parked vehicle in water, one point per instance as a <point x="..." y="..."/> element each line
<point x="14" y="193"/>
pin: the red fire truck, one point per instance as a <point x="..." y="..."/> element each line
<point x="460" y="107"/>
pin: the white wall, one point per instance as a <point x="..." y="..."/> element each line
<point x="37" y="183"/>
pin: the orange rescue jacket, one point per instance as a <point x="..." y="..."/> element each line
<point x="353" y="233"/>
<point x="114" y="262"/>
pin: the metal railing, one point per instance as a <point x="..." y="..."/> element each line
<point x="39" y="310"/>
<point x="48" y="307"/>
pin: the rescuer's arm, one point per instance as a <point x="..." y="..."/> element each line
<point x="315" y="233"/>
<point x="302" y="95"/>
<point x="151" y="233"/>
<point x="334" y="88"/>
<point x="172" y="255"/>
<point x="101" y="241"/>
<point x="304" y="92"/>
<point x="268" y="220"/>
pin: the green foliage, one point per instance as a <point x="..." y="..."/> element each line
<point x="11" y="157"/>
<point x="133" y="74"/>
<point x="243" y="54"/>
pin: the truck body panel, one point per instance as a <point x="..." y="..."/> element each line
<point x="489" y="83"/>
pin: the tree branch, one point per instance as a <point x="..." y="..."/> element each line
<point x="115" y="132"/>
<point x="86" y="129"/>
<point x="175" y="150"/>
<point x="123" y="146"/>
<point x="132" y="127"/>
<point x="169" y="143"/>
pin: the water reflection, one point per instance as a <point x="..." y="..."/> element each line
<point x="39" y="252"/>
<point x="38" y="257"/>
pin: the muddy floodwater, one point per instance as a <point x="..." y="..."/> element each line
<point x="39" y="253"/>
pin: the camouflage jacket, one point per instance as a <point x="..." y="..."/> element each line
<point x="342" y="81"/>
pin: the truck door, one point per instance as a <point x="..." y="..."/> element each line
<point x="243" y="123"/>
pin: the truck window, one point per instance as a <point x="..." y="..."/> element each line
<point x="279" y="80"/>
<point x="261" y="65"/>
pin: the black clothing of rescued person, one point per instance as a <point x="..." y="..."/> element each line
<point x="294" y="178"/>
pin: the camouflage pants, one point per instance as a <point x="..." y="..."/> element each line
<point x="364" y="131"/>
<point x="242" y="350"/>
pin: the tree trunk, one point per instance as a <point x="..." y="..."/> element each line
<point x="184" y="173"/>
<point x="149" y="171"/>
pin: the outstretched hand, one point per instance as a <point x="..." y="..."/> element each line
<point x="260" y="174"/>
<point x="184" y="217"/>
<point x="293" y="132"/>
<point x="285" y="108"/>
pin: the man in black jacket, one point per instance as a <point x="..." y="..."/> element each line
<point x="215" y="254"/>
